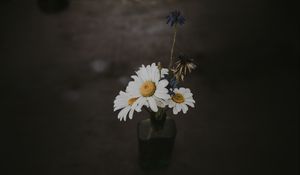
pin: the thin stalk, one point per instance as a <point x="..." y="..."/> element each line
<point x="173" y="44"/>
<point x="150" y="112"/>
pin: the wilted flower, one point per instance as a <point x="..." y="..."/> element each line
<point x="183" y="66"/>
<point x="175" y="17"/>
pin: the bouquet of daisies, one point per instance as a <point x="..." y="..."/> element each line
<point x="157" y="89"/>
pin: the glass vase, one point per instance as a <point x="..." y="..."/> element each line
<point x="156" y="136"/>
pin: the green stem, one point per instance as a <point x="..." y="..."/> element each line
<point x="150" y="112"/>
<point x="173" y="44"/>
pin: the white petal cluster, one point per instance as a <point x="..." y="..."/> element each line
<point x="181" y="99"/>
<point x="149" y="89"/>
<point x="127" y="103"/>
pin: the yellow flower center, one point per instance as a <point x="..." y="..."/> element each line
<point x="131" y="101"/>
<point x="148" y="88"/>
<point x="178" y="98"/>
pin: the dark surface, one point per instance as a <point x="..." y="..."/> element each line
<point x="61" y="72"/>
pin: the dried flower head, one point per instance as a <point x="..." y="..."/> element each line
<point x="175" y="17"/>
<point x="182" y="67"/>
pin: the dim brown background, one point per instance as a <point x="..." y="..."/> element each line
<point x="61" y="72"/>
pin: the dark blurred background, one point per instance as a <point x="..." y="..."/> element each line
<point x="63" y="62"/>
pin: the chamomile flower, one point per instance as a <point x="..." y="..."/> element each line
<point x="148" y="87"/>
<point x="127" y="103"/>
<point x="180" y="100"/>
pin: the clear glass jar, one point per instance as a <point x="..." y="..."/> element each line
<point x="156" y="136"/>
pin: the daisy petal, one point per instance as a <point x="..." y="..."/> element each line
<point x="122" y="114"/>
<point x="184" y="108"/>
<point x="175" y="112"/>
<point x="141" y="103"/>
<point x="152" y="104"/>
<point x="178" y="108"/>
<point x="190" y="104"/>
<point x="162" y="95"/>
<point x="162" y="83"/>
<point x="131" y="113"/>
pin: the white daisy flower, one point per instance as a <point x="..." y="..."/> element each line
<point x="181" y="98"/>
<point x="149" y="88"/>
<point x="127" y="103"/>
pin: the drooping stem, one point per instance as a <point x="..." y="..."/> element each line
<point x="173" y="44"/>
